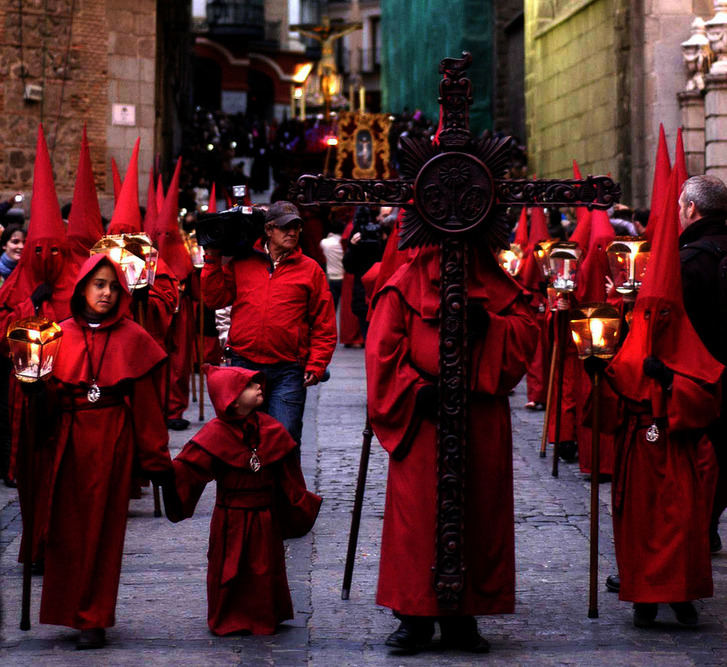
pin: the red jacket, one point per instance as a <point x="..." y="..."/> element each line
<point x="280" y="315"/>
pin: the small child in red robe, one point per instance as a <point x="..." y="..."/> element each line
<point x="261" y="500"/>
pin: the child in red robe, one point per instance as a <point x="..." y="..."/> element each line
<point x="110" y="418"/>
<point x="261" y="500"/>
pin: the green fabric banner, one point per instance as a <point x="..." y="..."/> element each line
<point x="416" y="35"/>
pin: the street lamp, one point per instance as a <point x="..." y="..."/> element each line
<point x="627" y="258"/>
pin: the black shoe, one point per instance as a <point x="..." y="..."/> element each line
<point x="10" y="483"/>
<point x="178" y="424"/>
<point x="685" y="612"/>
<point x="412" y="635"/>
<point x="613" y="583"/>
<point x="90" y="639"/>
<point x="715" y="543"/>
<point x="534" y="406"/>
<point x="568" y="451"/>
<point x="644" y="614"/>
<point x="460" y="633"/>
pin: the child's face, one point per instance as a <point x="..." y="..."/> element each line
<point x="249" y="399"/>
<point x="102" y="291"/>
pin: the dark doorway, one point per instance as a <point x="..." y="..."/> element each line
<point x="207" y="84"/>
<point x="260" y="95"/>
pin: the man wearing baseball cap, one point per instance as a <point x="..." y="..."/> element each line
<point x="283" y="321"/>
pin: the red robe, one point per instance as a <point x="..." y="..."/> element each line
<point x="662" y="495"/>
<point x="401" y="351"/>
<point x="247" y="586"/>
<point x="97" y="445"/>
<point x="349" y="329"/>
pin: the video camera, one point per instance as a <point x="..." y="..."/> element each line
<point x="233" y="231"/>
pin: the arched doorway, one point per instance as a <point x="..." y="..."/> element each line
<point x="260" y="95"/>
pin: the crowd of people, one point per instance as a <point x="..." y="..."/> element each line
<point x="315" y="278"/>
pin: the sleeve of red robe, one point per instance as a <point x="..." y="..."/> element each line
<point x="160" y="307"/>
<point x="150" y="428"/>
<point x="192" y="472"/>
<point x="299" y="507"/>
<point x="392" y="382"/>
<point x="690" y="405"/>
<point x="500" y="360"/>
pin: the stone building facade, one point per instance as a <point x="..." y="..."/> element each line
<point x="600" y="77"/>
<point x="64" y="63"/>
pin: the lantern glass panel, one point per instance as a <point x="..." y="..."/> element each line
<point x="627" y="259"/>
<point x="34" y="344"/>
<point x="511" y="259"/>
<point x="541" y="251"/>
<point x="563" y="259"/>
<point x="595" y="330"/>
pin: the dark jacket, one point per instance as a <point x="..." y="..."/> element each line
<point x="699" y="280"/>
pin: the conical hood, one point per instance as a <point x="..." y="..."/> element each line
<point x="594" y="269"/>
<point x="521" y="233"/>
<point x="660" y="325"/>
<point x="127" y="216"/>
<point x="680" y="163"/>
<point x="212" y="205"/>
<point x="660" y="183"/>
<point x="84" y="222"/>
<point x="160" y="193"/>
<point x="116" y="177"/>
<point x="582" y="233"/>
<point x="151" y="206"/>
<point x="166" y="234"/>
<point x="538" y="226"/>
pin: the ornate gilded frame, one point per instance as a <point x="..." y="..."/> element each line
<point x="363" y="145"/>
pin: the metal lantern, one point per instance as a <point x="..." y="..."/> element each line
<point x="563" y="258"/>
<point x="595" y="330"/>
<point x="511" y="258"/>
<point x="34" y="343"/>
<point x="196" y="252"/>
<point x="135" y="255"/>
<point x="541" y="250"/>
<point x="627" y="258"/>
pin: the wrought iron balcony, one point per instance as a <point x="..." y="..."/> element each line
<point x="242" y="18"/>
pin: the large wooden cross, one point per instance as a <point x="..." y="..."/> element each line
<point x="454" y="192"/>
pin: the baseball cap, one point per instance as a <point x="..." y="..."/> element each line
<point x="282" y="213"/>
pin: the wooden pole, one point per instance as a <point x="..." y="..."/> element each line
<point x="192" y="376"/>
<point x="200" y="354"/>
<point x="549" y="397"/>
<point x="595" y="475"/>
<point x="562" y="326"/>
<point x="28" y="507"/>
<point x="363" y="466"/>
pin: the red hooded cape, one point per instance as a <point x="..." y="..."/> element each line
<point x="402" y="355"/>
<point x="97" y="445"/>
<point x="247" y="588"/>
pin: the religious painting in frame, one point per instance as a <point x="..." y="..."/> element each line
<point x="363" y="145"/>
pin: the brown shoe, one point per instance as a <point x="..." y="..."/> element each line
<point x="91" y="638"/>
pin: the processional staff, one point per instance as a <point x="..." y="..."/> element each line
<point x="454" y="191"/>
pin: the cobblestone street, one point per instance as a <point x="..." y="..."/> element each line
<point x="161" y="611"/>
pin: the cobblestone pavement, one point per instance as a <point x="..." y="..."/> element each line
<point x="161" y="611"/>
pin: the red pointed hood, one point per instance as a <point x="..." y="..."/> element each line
<point x="226" y="383"/>
<point x="594" y="269"/>
<point x="212" y="205"/>
<point x="116" y="177"/>
<point x="84" y="221"/>
<point x="160" y="194"/>
<point x="151" y="206"/>
<point x="127" y="216"/>
<point x="582" y="233"/>
<point x="660" y="325"/>
<point x="521" y="233"/>
<point x="165" y="234"/>
<point x="538" y="226"/>
<point x="680" y="163"/>
<point x="660" y="183"/>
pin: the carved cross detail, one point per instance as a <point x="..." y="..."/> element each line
<point x="454" y="192"/>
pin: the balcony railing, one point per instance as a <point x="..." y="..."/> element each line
<point x="243" y="18"/>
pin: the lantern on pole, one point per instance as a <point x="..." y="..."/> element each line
<point x="627" y="259"/>
<point x="196" y="252"/>
<point x="34" y="343"/>
<point x="563" y="258"/>
<point x="134" y="253"/>
<point x="541" y="250"/>
<point x="510" y="259"/>
<point x="595" y="330"/>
